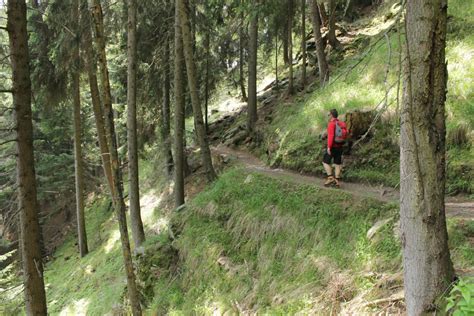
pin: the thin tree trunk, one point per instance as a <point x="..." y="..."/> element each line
<point x="178" y="112"/>
<point x="276" y="59"/>
<point x="284" y="38"/>
<point x="194" y="91"/>
<point x="95" y="98"/>
<point x="138" y="233"/>
<point x="207" y="45"/>
<point x="165" y="113"/>
<point x="290" y="46"/>
<point x="241" y="57"/>
<point x="78" y="167"/>
<point x="117" y="194"/>
<point x="252" y="84"/>
<point x="35" y="297"/>
<point x="322" y="62"/>
<point x="428" y="269"/>
<point x="303" y="42"/>
<point x="322" y="13"/>
<point x="333" y="41"/>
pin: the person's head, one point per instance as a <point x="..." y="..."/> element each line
<point x="333" y="113"/>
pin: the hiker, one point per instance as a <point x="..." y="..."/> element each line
<point x="336" y="136"/>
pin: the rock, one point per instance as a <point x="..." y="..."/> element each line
<point x="248" y="179"/>
<point x="269" y="100"/>
<point x="377" y="226"/>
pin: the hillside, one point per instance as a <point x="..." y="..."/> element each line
<point x="266" y="237"/>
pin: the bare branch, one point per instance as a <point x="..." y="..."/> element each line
<point x="3" y="28"/>
<point x="8" y="141"/>
<point x="6" y="91"/>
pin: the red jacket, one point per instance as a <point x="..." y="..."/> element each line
<point x="331" y="133"/>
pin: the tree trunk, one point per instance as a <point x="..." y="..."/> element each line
<point x="276" y="58"/>
<point x="207" y="45"/>
<point x="252" y="81"/>
<point x="117" y="194"/>
<point x="241" y="57"/>
<point x="322" y="13"/>
<point x="194" y="91"/>
<point x="138" y="233"/>
<point x="284" y="38"/>
<point x="78" y="167"/>
<point x="322" y="63"/>
<point x="290" y="46"/>
<point x="303" y="42"/>
<point x="428" y="269"/>
<point x="178" y="112"/>
<point x="96" y="103"/>
<point x="165" y="112"/>
<point x="35" y="297"/>
<point x="333" y="41"/>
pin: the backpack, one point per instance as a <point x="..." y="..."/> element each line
<point x="340" y="135"/>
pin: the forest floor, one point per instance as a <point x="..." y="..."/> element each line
<point x="456" y="206"/>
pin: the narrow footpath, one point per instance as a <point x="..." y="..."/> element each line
<point x="459" y="207"/>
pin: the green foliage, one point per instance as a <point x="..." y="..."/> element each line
<point x="461" y="298"/>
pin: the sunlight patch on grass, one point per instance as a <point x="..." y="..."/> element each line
<point x="148" y="203"/>
<point x="112" y="241"/>
<point x="78" y="307"/>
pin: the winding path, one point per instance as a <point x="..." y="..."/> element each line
<point x="458" y="207"/>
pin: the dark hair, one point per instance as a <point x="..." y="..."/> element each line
<point x="333" y="113"/>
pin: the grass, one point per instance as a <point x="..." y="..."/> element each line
<point x="259" y="244"/>
<point x="95" y="283"/>
<point x="250" y="243"/>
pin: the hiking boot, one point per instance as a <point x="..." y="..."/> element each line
<point x="329" y="181"/>
<point x="337" y="182"/>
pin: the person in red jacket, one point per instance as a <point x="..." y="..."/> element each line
<point x="332" y="152"/>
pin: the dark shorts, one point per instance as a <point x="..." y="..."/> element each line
<point x="336" y="154"/>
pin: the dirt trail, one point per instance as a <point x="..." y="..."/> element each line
<point x="458" y="207"/>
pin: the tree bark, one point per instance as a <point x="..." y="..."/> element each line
<point x="95" y="98"/>
<point x="428" y="269"/>
<point x="165" y="112"/>
<point x="333" y="41"/>
<point x="286" y="59"/>
<point x="322" y="13"/>
<point x="252" y="80"/>
<point x="35" y="297"/>
<point x="290" y="47"/>
<point x="178" y="112"/>
<point x="207" y="44"/>
<point x="117" y="194"/>
<point x="194" y="91"/>
<point x="322" y="62"/>
<point x="276" y="59"/>
<point x="303" y="42"/>
<point x="78" y="166"/>
<point x="241" y="57"/>
<point x="138" y="233"/>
